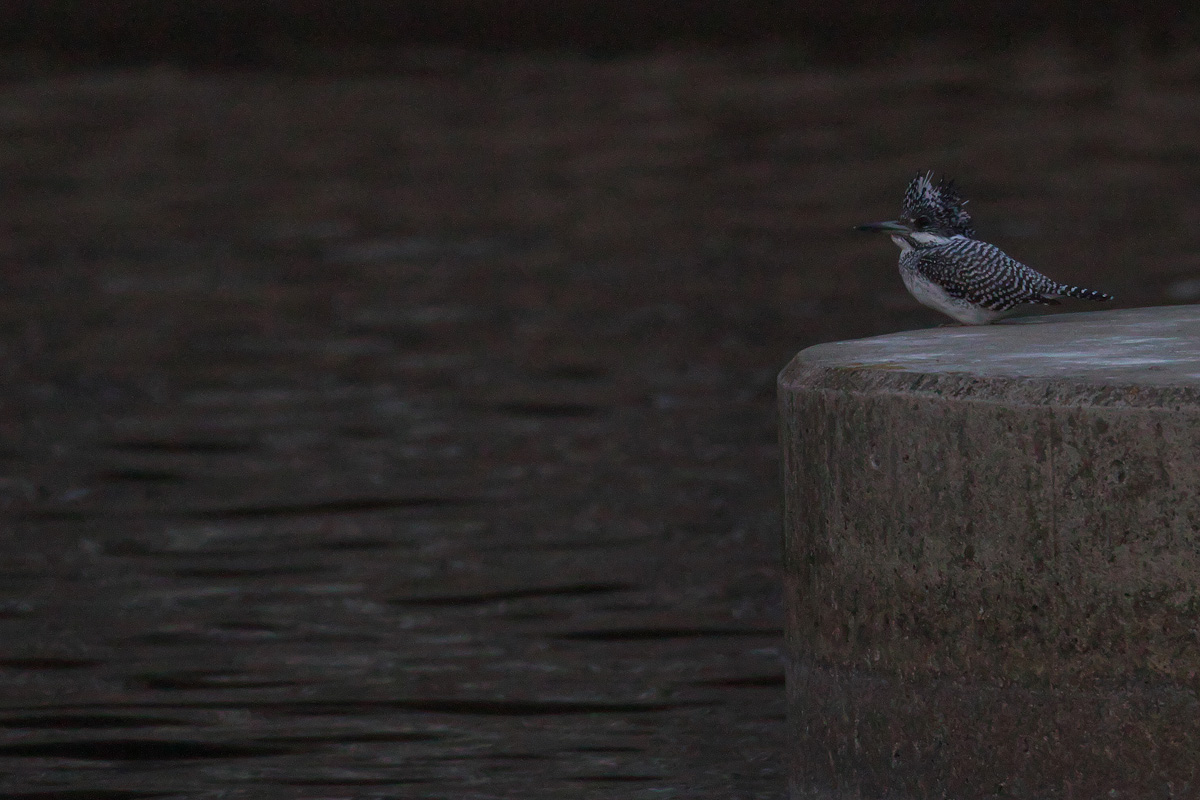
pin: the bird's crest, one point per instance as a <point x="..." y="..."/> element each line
<point x="939" y="204"/>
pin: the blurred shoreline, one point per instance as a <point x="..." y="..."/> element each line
<point x="363" y="36"/>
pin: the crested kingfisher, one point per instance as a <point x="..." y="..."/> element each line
<point x="947" y="269"/>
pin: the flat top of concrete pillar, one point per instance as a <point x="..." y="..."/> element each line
<point x="1132" y="347"/>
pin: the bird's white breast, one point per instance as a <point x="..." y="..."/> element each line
<point x="929" y="294"/>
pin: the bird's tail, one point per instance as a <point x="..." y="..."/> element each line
<point x="1080" y="292"/>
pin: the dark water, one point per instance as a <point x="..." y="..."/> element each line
<point x="413" y="437"/>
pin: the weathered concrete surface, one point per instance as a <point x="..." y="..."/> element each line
<point x="992" y="557"/>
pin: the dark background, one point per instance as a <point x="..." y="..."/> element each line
<point x="387" y="401"/>
<point x="288" y="33"/>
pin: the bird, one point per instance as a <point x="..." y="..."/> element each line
<point x="947" y="269"/>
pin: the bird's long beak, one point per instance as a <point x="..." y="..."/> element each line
<point x="893" y="226"/>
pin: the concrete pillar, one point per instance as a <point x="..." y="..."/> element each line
<point x="992" y="549"/>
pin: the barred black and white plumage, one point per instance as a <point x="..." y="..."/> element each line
<point x="947" y="269"/>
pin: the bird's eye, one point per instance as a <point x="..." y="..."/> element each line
<point x="921" y="221"/>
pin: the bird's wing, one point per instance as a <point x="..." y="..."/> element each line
<point x="982" y="274"/>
